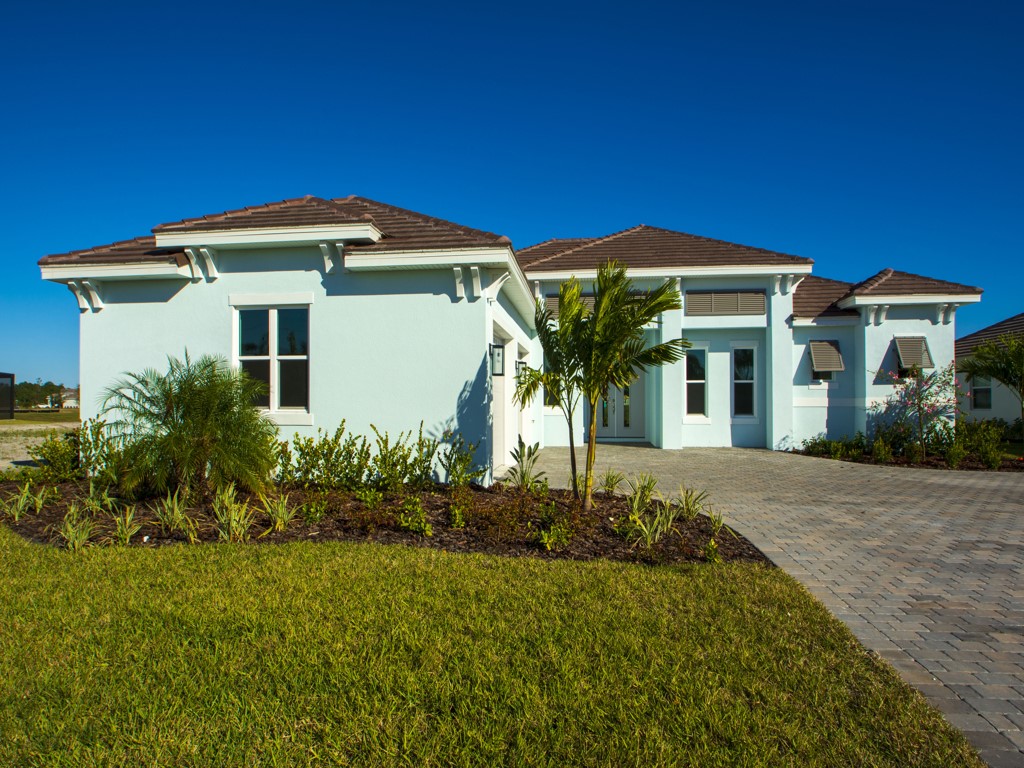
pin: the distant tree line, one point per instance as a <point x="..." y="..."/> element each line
<point x="28" y="394"/>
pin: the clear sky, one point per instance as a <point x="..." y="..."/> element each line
<point x="862" y="135"/>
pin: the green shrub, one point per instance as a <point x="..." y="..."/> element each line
<point x="391" y="464"/>
<point x="955" y="453"/>
<point x="641" y="491"/>
<point x="524" y="476"/>
<point x="896" y="436"/>
<point x="58" y="456"/>
<point x="315" y="508"/>
<point x="337" y="461"/>
<point x="647" y="528"/>
<point x="555" y="537"/>
<point x="991" y="455"/>
<point x="691" y="502"/>
<point x="193" y="427"/>
<point x="460" y="506"/>
<point x="913" y="452"/>
<point x="817" y="446"/>
<point x="421" y="463"/>
<point x="414" y="518"/>
<point x="170" y="513"/>
<point x="371" y="498"/>
<point x="457" y="459"/>
<point x="711" y="552"/>
<point x="19" y="503"/>
<point x="880" y="451"/>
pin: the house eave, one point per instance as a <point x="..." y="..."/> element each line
<point x="270" y="237"/>
<point x="669" y="272"/>
<point x="909" y="299"/>
<point x="149" y="270"/>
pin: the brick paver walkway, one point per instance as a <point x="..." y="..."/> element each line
<point x="926" y="567"/>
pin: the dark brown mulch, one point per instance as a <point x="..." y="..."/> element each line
<point x="971" y="464"/>
<point x="499" y="522"/>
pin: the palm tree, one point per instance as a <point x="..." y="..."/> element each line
<point x="608" y="343"/>
<point x="1002" y="361"/>
<point x="192" y="427"/>
<point x="559" y="378"/>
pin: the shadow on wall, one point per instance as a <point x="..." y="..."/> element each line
<point x="472" y="417"/>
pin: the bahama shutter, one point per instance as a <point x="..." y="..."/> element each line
<point x="914" y="352"/>
<point x="725" y="303"/>
<point x="825" y="356"/>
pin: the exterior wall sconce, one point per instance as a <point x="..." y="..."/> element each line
<point x="520" y="366"/>
<point x="497" y="360"/>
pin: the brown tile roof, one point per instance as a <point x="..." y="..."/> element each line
<point x="139" y="249"/>
<point x="970" y="342"/>
<point x="890" y="282"/>
<point x="653" y="247"/>
<point x="549" y="248"/>
<point x="402" y="229"/>
<point x="817" y="297"/>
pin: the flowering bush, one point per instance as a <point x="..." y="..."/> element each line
<point x="922" y="407"/>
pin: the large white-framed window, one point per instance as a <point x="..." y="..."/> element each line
<point x="981" y="393"/>
<point x="272" y="345"/>
<point x="744" y="381"/>
<point x="696" y="403"/>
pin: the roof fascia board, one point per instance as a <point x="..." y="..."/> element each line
<point x="427" y="259"/>
<point x="917" y="298"/>
<point x="61" y="273"/>
<point x="808" y="322"/>
<point x="270" y="236"/>
<point x="670" y="272"/>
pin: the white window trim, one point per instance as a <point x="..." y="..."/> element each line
<point x="988" y="386"/>
<point x="744" y="419"/>
<point x="698" y="418"/>
<point x="281" y="416"/>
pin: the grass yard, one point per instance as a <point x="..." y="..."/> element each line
<point x="342" y="653"/>
<point x="21" y="418"/>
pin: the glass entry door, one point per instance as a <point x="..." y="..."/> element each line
<point x="620" y="415"/>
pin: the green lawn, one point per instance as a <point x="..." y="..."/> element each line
<point x="41" y="417"/>
<point x="312" y="654"/>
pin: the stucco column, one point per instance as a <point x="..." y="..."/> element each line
<point x="779" y="386"/>
<point x="672" y="382"/>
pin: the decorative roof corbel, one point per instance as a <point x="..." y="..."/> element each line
<point x="76" y="289"/>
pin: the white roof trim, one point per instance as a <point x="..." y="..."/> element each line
<point x="427" y="259"/>
<point x="149" y="270"/>
<point x="270" y="236"/>
<point x="668" y="272"/>
<point x="917" y="298"/>
<point x="806" y="322"/>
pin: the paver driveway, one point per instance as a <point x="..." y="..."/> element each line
<point x="925" y="566"/>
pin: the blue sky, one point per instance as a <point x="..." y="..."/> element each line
<point x="860" y="135"/>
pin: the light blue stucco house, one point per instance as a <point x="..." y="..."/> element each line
<point x="984" y="398"/>
<point x="358" y="310"/>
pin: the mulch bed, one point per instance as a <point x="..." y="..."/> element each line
<point x="499" y="522"/>
<point x="970" y="464"/>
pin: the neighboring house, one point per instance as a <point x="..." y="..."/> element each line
<point x="69" y="398"/>
<point x="985" y="399"/>
<point x="357" y="310"/>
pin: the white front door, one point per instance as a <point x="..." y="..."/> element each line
<point x="620" y="415"/>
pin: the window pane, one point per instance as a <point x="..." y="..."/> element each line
<point x="695" y="370"/>
<point x="821" y="375"/>
<point x="983" y="399"/>
<point x="254" y="332"/>
<point x="695" y="399"/>
<point x="625" y="407"/>
<point x="293" y="331"/>
<point x="259" y="370"/>
<point x="743" y="399"/>
<point x="294" y="383"/>
<point x="743" y="364"/>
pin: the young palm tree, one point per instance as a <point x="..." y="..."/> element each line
<point x="193" y="427"/>
<point x="1002" y="361"/>
<point x="609" y="346"/>
<point x="559" y="379"/>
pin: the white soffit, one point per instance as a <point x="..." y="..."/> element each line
<point x="269" y="237"/>
<point x="148" y="270"/>
<point x="917" y="298"/>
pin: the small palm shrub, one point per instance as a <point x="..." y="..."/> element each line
<point x="280" y="512"/>
<point x="610" y="481"/>
<point x="125" y="526"/>
<point x="524" y="476"/>
<point x="234" y="518"/>
<point x="19" y="503"/>
<point x="691" y="502"/>
<point x="76" y="529"/>
<point x="193" y="427"/>
<point x="170" y="513"/>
